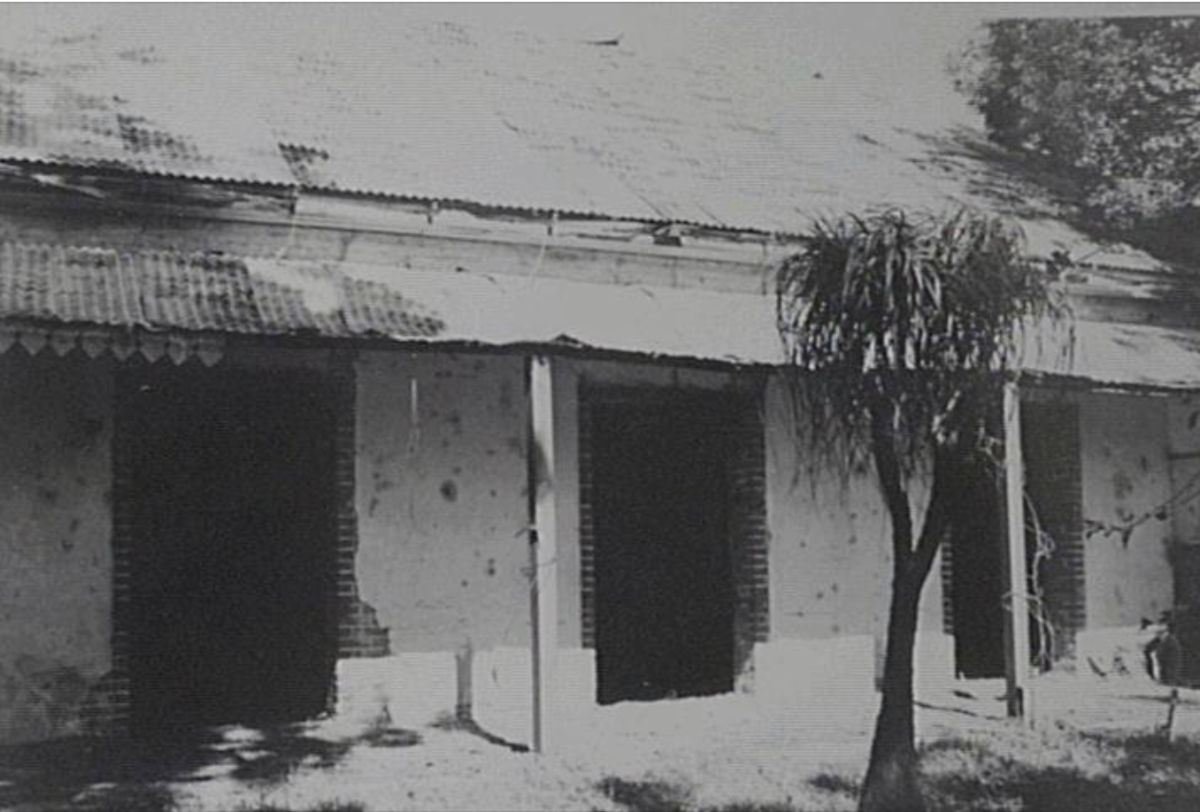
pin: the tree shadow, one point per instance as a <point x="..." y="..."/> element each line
<point x="134" y="774"/>
<point x="92" y="774"/>
<point x="648" y="795"/>
<point x="451" y="722"/>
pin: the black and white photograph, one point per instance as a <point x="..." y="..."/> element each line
<point x="599" y="407"/>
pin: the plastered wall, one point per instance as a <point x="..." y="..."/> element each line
<point x="830" y="556"/>
<point x="55" y="526"/>
<point x="1126" y="473"/>
<point x="442" y="499"/>
<point x="1183" y="427"/>
<point x="443" y="555"/>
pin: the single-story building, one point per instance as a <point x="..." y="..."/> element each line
<point x="463" y="393"/>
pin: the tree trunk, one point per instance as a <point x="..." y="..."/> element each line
<point x="891" y="782"/>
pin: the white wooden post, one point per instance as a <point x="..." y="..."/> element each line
<point x="1016" y="619"/>
<point x="543" y="548"/>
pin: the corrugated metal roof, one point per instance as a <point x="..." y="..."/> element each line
<point x="205" y="294"/>
<point x="509" y="120"/>
<point x="741" y="328"/>
<point x="199" y="292"/>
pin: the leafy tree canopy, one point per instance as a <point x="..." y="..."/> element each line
<point x="1114" y="102"/>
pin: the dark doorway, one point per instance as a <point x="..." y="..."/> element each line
<point x="1053" y="505"/>
<point x="664" y="585"/>
<point x="977" y="575"/>
<point x="233" y="572"/>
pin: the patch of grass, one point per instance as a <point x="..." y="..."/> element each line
<point x="645" y="796"/>
<point x="339" y="806"/>
<point x="1149" y="756"/>
<point x="1147" y="773"/>
<point x="324" y="806"/>
<point x="832" y="782"/>
<point x="129" y="798"/>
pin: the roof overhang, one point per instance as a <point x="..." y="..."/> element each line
<point x="82" y="295"/>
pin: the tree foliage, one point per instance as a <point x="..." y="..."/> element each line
<point x="1115" y="102"/>
<point x="910" y="315"/>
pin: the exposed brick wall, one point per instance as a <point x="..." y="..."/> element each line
<point x="1054" y="482"/>
<point x="587" y="530"/>
<point x="947" y="551"/>
<point x="748" y="528"/>
<point x="107" y="709"/>
<point x="746" y="477"/>
<point x="359" y="633"/>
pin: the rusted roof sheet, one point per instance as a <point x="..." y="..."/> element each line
<point x="739" y="140"/>
<point x="198" y="292"/>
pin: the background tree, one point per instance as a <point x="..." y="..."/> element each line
<point x="899" y="331"/>
<point x="1113" y="102"/>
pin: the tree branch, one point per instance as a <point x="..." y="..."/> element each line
<point x="937" y="515"/>
<point x="887" y="465"/>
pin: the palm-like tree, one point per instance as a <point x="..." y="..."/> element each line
<point x="900" y="331"/>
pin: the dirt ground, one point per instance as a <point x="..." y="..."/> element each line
<point x="1093" y="742"/>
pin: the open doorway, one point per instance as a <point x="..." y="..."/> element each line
<point x="233" y="567"/>
<point x="664" y="576"/>
<point x="978" y="572"/>
<point x="1053" y="506"/>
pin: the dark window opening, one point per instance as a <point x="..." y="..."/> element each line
<point x="233" y="565"/>
<point x="664" y="581"/>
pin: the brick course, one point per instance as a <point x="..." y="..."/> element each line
<point x="1054" y="482"/>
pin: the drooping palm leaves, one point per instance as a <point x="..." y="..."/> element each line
<point x="912" y="315"/>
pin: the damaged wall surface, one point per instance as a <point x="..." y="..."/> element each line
<point x="443" y="552"/>
<point x="55" y="586"/>
<point x="441" y="499"/>
<point x="1125" y="475"/>
<point x="830" y="563"/>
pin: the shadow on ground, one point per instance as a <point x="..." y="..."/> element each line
<point x="89" y="775"/>
<point x="450" y="722"/>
